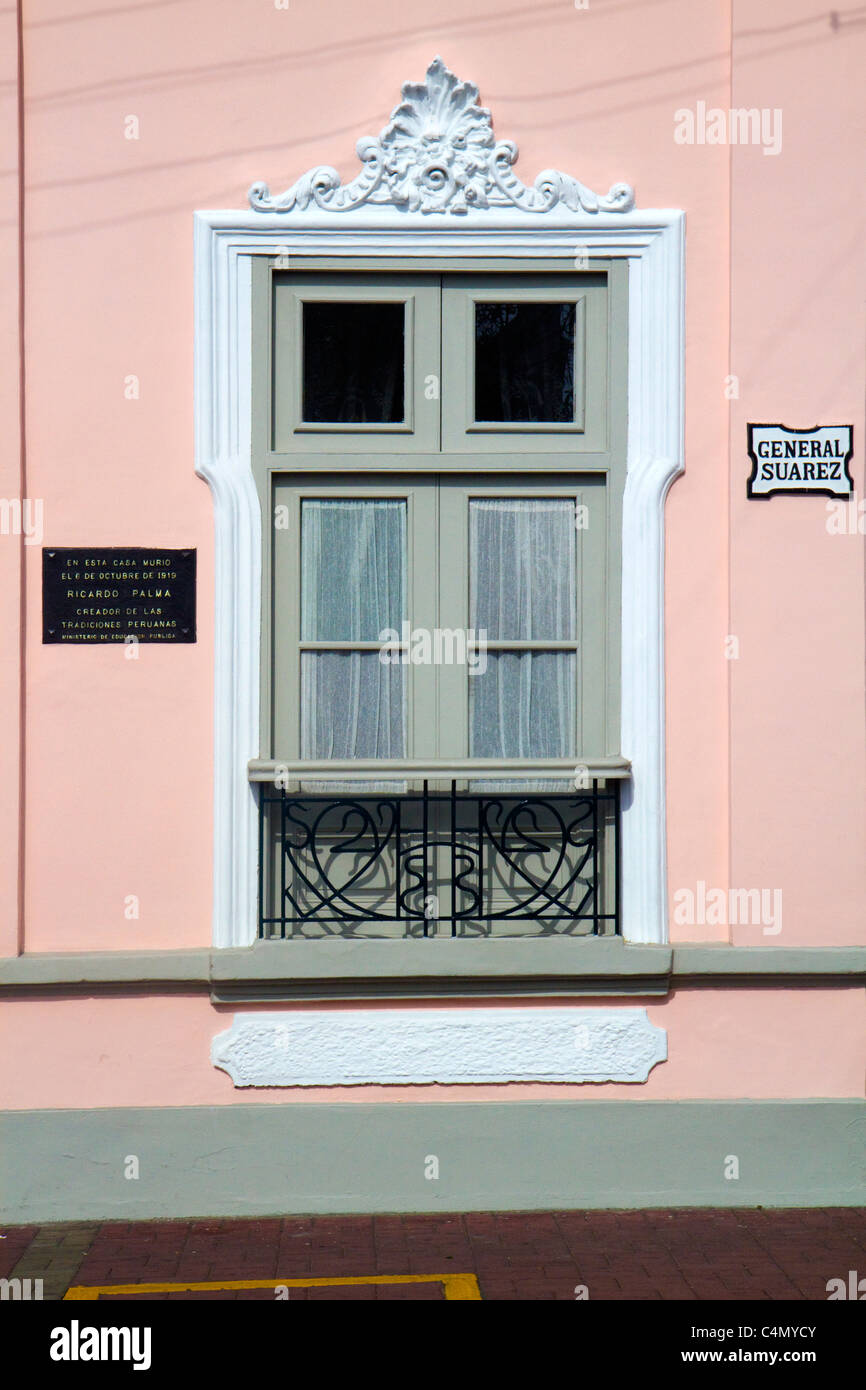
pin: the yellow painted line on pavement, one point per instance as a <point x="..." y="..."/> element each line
<point x="457" y="1287"/>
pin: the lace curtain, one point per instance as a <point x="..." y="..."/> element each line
<point x="353" y="584"/>
<point x="522" y="587"/>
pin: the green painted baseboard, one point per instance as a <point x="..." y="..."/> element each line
<point x="251" y="1160"/>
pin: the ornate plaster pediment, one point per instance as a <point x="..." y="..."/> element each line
<point x="438" y="154"/>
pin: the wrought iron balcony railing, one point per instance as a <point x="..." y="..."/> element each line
<point x="520" y="861"/>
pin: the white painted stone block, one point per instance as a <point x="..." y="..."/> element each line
<point x="398" y="1047"/>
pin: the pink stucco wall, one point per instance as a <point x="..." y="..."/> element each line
<point x="797" y="748"/>
<point x="766" y="753"/>
<point x="10" y="487"/>
<point x="120" y="752"/>
<point x="722" y="1045"/>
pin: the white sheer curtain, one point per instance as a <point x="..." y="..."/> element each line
<point x="522" y="706"/>
<point x="523" y="588"/>
<point x="353" y="706"/>
<point x="353" y="567"/>
<point x="353" y="584"/>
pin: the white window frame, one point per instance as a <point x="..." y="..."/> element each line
<point x="555" y="219"/>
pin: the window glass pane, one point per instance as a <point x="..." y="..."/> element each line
<point x="523" y="706"/>
<point x="353" y="363"/>
<point x="353" y="568"/>
<point x="522" y="568"/>
<point x="524" y="362"/>
<point x="352" y="706"/>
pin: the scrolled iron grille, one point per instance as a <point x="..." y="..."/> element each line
<point x="414" y="864"/>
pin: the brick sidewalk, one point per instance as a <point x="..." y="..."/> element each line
<point x="681" y="1254"/>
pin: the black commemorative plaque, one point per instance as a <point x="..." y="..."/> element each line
<point x="109" y="594"/>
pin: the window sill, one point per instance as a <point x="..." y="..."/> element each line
<point x="270" y="770"/>
<point x="433" y="968"/>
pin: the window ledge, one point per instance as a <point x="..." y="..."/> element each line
<point x="440" y="769"/>
<point x="401" y="968"/>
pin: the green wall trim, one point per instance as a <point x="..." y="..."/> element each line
<point x="91" y="969"/>
<point x="266" y="1159"/>
<point x="341" y="968"/>
<point x="822" y="964"/>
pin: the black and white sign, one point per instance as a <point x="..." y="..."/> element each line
<point x="109" y="594"/>
<point x="800" y="461"/>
